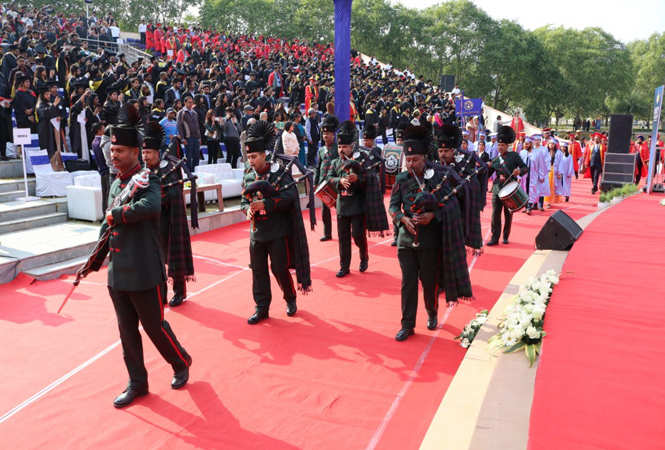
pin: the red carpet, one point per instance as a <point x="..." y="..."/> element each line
<point x="332" y="377"/>
<point x="599" y="382"/>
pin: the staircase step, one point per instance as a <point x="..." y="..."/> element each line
<point x="56" y="270"/>
<point x="11" y="169"/>
<point x="15" y="210"/>
<point x="24" y="223"/>
<point x="17" y="184"/>
<point x="10" y="196"/>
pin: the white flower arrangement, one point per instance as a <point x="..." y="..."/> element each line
<point x="471" y="329"/>
<point x="522" y="323"/>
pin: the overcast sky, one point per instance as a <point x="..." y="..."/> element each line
<point x="626" y="20"/>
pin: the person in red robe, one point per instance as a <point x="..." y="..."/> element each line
<point x="517" y="124"/>
<point x="576" y="152"/>
<point x="311" y="94"/>
<point x="149" y="36"/>
<point x="596" y="139"/>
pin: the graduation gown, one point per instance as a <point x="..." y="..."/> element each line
<point x="563" y="173"/>
<point x="45" y="113"/>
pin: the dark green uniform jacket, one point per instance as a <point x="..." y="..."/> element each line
<point x="136" y="262"/>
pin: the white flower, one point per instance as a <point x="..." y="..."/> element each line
<point x="532" y="332"/>
<point x="465" y="343"/>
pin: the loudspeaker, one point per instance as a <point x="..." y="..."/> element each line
<point x="73" y="165"/>
<point x="621" y="130"/>
<point x="619" y="169"/>
<point x="559" y="233"/>
<point x="447" y="83"/>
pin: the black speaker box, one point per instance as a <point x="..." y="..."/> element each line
<point x="447" y="82"/>
<point x="621" y="130"/>
<point x="559" y="233"/>
<point x="77" y="164"/>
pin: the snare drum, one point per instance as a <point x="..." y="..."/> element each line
<point x="327" y="193"/>
<point x="513" y="196"/>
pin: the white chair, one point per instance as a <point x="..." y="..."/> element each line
<point x="84" y="202"/>
<point x="47" y="182"/>
<point x="87" y="179"/>
<point x="226" y="176"/>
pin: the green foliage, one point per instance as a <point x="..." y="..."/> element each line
<point x="623" y="191"/>
<point x="550" y="72"/>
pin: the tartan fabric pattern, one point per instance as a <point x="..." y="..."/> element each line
<point x="472" y="201"/>
<point x="375" y="209"/>
<point x="455" y="279"/>
<point x="298" y="247"/>
<point x="454" y="274"/>
<point x="174" y="229"/>
<point x="326" y="158"/>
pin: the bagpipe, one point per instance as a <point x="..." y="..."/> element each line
<point x="138" y="182"/>
<point x="429" y="201"/>
<point x="261" y="189"/>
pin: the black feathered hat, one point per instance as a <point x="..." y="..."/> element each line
<point x="127" y="132"/>
<point x="260" y="136"/>
<point x="369" y="132"/>
<point x="330" y="123"/>
<point x="416" y="140"/>
<point x="153" y="136"/>
<point x="448" y="136"/>
<point x="346" y="133"/>
<point x="505" y="135"/>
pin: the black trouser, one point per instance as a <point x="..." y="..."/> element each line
<point x="595" y="175"/>
<point x="279" y="264"/>
<point x="232" y="150"/>
<point x="419" y="264"/>
<point x="348" y="226"/>
<point x="105" y="191"/>
<point x="311" y="153"/>
<point x="213" y="151"/>
<point x="327" y="221"/>
<point x="147" y="307"/>
<point x="180" y="286"/>
<point x="497" y="206"/>
<point x="142" y="37"/>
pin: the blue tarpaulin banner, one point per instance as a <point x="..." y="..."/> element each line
<point x="469" y="107"/>
<point x="657" y="107"/>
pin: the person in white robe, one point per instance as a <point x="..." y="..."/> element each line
<point x="564" y="172"/>
<point x="539" y="185"/>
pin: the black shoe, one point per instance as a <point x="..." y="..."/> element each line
<point x="432" y="322"/>
<point x="492" y="242"/>
<point x="567" y="199"/>
<point x="393" y="243"/>
<point x="403" y="334"/>
<point x="505" y="241"/>
<point x="176" y="300"/>
<point x="528" y="211"/>
<point x="363" y="265"/>
<point x="342" y="273"/>
<point x="129" y="395"/>
<point x="257" y="317"/>
<point x="291" y="308"/>
<point x="325" y="238"/>
<point x="181" y="377"/>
